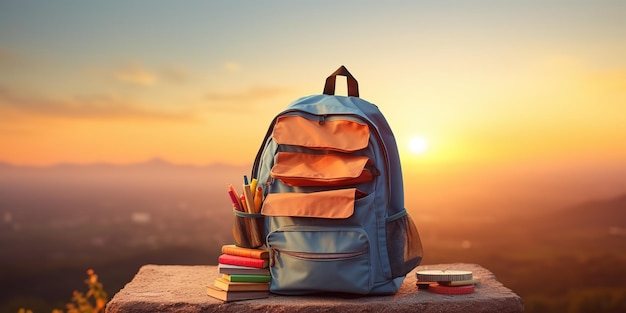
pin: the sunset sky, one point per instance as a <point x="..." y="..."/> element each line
<point x="493" y="83"/>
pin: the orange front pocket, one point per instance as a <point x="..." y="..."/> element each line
<point x="301" y="169"/>
<point x="335" y="204"/>
<point x="338" y="135"/>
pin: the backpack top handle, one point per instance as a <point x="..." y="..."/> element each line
<point x="353" y="85"/>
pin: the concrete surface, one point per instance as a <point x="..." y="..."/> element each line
<point x="182" y="289"/>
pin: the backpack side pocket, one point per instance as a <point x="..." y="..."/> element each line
<point x="403" y="244"/>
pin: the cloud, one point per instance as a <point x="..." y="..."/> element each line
<point x="135" y="74"/>
<point x="94" y="106"/>
<point x="140" y="75"/>
<point x="174" y="75"/>
<point x="246" y="101"/>
<point x="255" y="93"/>
<point x="232" y="67"/>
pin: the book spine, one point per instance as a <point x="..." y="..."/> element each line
<point x="248" y="253"/>
<point x="249" y="278"/>
<point x="250" y="271"/>
<point x="243" y="261"/>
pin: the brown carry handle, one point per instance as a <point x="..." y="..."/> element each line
<point x="353" y="86"/>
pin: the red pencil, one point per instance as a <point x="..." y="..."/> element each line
<point x="233" y="197"/>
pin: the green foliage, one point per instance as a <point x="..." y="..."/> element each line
<point x="91" y="302"/>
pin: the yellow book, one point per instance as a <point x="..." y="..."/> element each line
<point x="235" y="296"/>
<point x="226" y="285"/>
<point x="245" y="252"/>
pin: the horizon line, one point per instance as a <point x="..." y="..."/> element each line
<point x="153" y="160"/>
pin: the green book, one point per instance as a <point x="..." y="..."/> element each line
<point x="241" y="278"/>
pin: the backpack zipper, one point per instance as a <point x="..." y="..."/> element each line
<point x="322" y="119"/>
<point x="321" y="256"/>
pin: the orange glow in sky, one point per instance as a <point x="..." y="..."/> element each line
<point x="495" y="83"/>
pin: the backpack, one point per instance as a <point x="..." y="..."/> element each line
<point x="333" y="198"/>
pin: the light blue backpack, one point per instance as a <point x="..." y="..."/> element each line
<point x="334" y="201"/>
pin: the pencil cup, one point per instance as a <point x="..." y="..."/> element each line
<point x="248" y="229"/>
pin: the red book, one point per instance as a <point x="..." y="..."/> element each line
<point x="242" y="261"/>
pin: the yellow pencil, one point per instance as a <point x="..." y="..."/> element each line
<point x="258" y="199"/>
<point x="247" y="194"/>
<point x="253" y="183"/>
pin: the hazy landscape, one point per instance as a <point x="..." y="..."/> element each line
<point x="57" y="222"/>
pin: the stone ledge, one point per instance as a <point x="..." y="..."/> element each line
<point x="182" y="289"/>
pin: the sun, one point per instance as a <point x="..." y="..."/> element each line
<point x="418" y="145"/>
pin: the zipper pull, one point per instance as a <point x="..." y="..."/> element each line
<point x="322" y="120"/>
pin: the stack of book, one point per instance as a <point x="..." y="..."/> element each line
<point x="448" y="282"/>
<point x="244" y="274"/>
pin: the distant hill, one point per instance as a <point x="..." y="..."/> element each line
<point x="155" y="172"/>
<point x="603" y="213"/>
<point x="593" y="227"/>
<point x="596" y="225"/>
<point x="590" y="228"/>
<point x="152" y="164"/>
